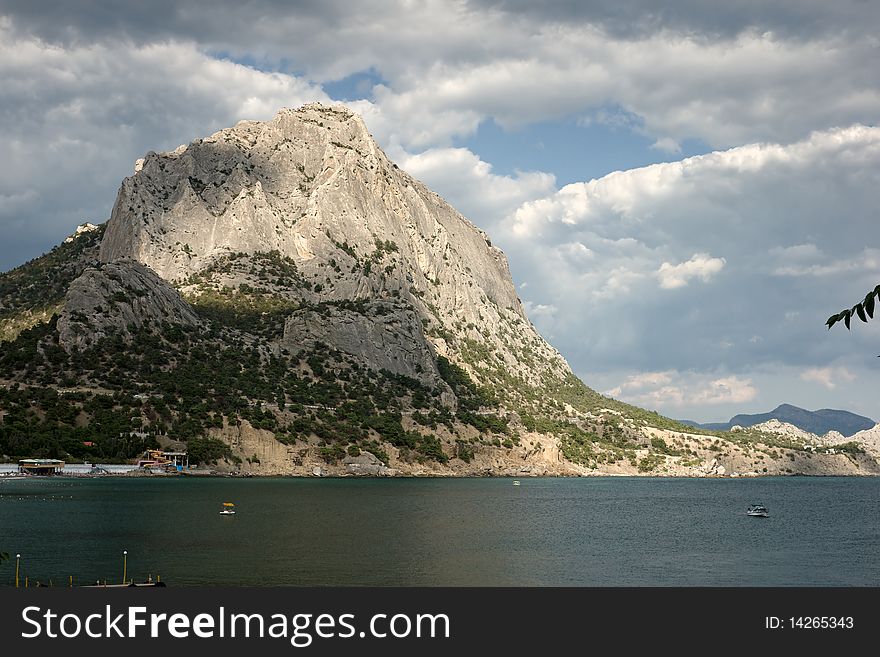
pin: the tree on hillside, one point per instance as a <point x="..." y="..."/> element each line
<point x="864" y="310"/>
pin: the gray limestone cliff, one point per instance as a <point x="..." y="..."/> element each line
<point x="115" y="298"/>
<point x="388" y="336"/>
<point x="312" y="185"/>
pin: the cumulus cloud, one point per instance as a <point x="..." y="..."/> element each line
<point x="630" y="18"/>
<point x="726" y="77"/>
<point x="701" y="266"/>
<point x="636" y="194"/>
<point x="667" y="144"/>
<point x="674" y="389"/>
<point x="757" y="86"/>
<point x="478" y="192"/>
<point x="727" y="232"/>
<point x="539" y="310"/>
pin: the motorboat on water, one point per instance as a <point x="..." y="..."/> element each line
<point x="516" y="482"/>
<point x="758" y="511"/>
<point x="228" y="509"/>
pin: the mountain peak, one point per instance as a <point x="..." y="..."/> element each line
<point x="311" y="189"/>
<point x="283" y="289"/>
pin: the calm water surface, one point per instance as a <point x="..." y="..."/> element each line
<point x="458" y="532"/>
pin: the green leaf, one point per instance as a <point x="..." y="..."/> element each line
<point x="847" y="315"/>
<point x="869" y="305"/>
<point x="860" y="311"/>
<point x="831" y="321"/>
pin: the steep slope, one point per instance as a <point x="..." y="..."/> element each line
<point x="32" y="293"/>
<point x="115" y="300"/>
<point x="312" y="186"/>
<point x="869" y="439"/>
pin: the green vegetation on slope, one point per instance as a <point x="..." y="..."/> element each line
<point x="32" y="293"/>
<point x="184" y="383"/>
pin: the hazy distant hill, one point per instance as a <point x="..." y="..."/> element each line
<point x="818" y="422"/>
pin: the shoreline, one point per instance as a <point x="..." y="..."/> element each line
<point x="597" y="475"/>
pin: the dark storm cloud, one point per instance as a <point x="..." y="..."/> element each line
<point x="232" y="24"/>
<point x="209" y="21"/>
<point x="326" y="40"/>
<point x="635" y="18"/>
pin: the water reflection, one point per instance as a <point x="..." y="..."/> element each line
<point x="603" y="531"/>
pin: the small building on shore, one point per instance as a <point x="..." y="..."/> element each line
<point x="156" y="459"/>
<point x="40" y="466"/>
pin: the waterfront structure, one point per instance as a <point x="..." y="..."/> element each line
<point x="156" y="458"/>
<point x="40" y="466"/>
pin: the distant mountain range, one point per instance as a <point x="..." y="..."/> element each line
<point x="818" y="422"/>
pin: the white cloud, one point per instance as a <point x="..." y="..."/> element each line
<point x="576" y="252"/>
<point x="459" y="174"/>
<point x="616" y="283"/>
<point x="701" y="266"/>
<point x="732" y="218"/>
<point x="539" y="310"/>
<point x="756" y="86"/>
<point x="726" y="77"/>
<point x="727" y="390"/>
<point x="635" y="194"/>
<point x="829" y="377"/>
<point x="796" y="253"/>
<point x="673" y="389"/>
<point x="866" y="261"/>
<point x="667" y="145"/>
<point x="639" y="382"/>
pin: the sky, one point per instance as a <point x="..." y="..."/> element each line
<point x="685" y="193"/>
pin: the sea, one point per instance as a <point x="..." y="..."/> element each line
<point x="595" y="531"/>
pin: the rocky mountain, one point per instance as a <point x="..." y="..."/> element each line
<point x="869" y="440"/>
<point x="786" y="429"/>
<point x="282" y="299"/>
<point x="816" y="422"/>
<point x="33" y="293"/>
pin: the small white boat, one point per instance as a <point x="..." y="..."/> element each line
<point x="228" y="509"/>
<point x="758" y="511"/>
<point x="516" y="482"/>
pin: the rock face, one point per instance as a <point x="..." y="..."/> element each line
<point x="385" y="335"/>
<point x="366" y="465"/>
<point x="31" y="294"/>
<point x="313" y="186"/>
<point x="869" y="439"/>
<point x="111" y="299"/>
<point x="712" y="468"/>
<point x="82" y="229"/>
<point x="791" y="431"/>
<point x="784" y="429"/>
